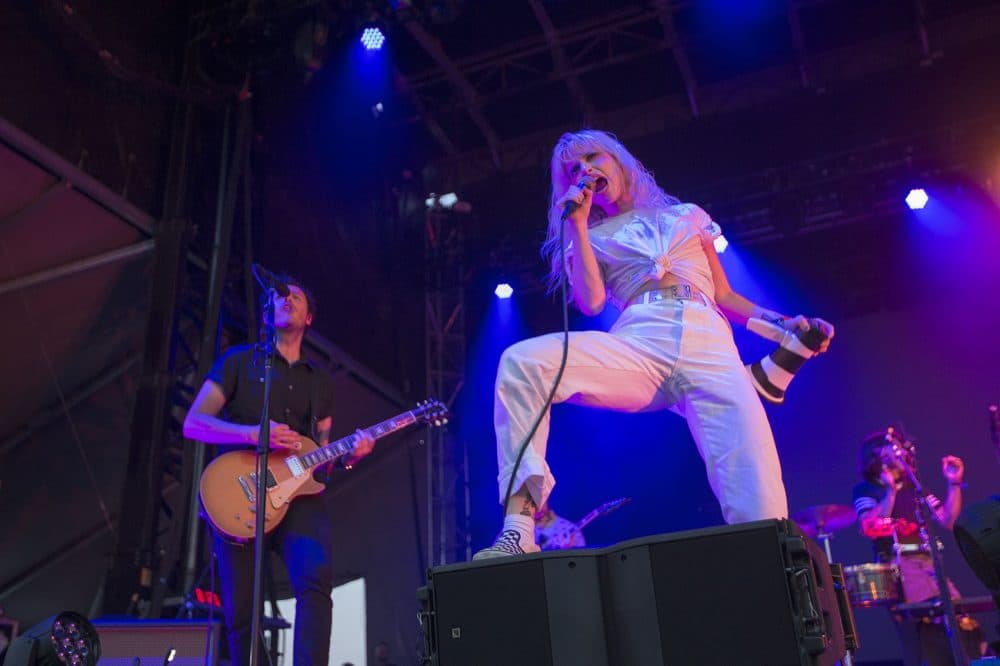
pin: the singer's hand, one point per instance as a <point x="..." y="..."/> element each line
<point x="583" y="197"/>
<point x="953" y="469"/>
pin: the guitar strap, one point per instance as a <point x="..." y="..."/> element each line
<point x="322" y="473"/>
<point x="313" y="399"/>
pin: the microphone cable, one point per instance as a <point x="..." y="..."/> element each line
<point x="565" y="351"/>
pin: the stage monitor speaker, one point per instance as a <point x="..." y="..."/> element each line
<point x="757" y="593"/>
<point x="149" y="641"/>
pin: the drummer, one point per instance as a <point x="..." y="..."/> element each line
<point x="886" y="503"/>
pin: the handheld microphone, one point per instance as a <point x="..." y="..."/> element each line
<point x="269" y="280"/>
<point x="586" y="183"/>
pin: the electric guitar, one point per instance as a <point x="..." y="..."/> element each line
<point x="562" y="538"/>
<point x="228" y="486"/>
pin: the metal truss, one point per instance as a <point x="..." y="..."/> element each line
<point x="445" y="349"/>
<point x="842" y="188"/>
<point x="629" y="34"/>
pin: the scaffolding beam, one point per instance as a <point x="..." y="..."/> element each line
<point x="445" y="349"/>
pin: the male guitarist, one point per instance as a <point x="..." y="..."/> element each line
<point x="300" y="403"/>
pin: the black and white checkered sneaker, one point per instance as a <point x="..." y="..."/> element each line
<point x="507" y="543"/>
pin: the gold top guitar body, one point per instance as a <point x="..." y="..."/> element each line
<point x="228" y="486"/>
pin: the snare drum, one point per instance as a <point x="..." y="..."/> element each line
<point x="872" y="584"/>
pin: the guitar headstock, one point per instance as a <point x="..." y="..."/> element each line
<point x="613" y="505"/>
<point x="432" y="412"/>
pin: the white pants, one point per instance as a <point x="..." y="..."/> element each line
<point x="671" y="354"/>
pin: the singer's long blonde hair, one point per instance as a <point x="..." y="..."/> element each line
<point x="640" y="189"/>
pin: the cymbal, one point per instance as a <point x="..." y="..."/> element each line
<point x="824" y="518"/>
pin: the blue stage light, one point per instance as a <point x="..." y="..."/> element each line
<point x="372" y="38"/>
<point x="720" y="244"/>
<point x="916" y="199"/>
<point x="504" y="290"/>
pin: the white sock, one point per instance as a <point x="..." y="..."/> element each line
<point x="523" y="525"/>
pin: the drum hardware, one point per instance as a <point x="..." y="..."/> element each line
<point x="872" y="584"/>
<point x="822" y="520"/>
<point x="901" y="452"/>
<point x="934" y="608"/>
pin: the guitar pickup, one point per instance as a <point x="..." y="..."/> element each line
<point x="247" y="489"/>
<point x="270" y="483"/>
<point x="294" y="466"/>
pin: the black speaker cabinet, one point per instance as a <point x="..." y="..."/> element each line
<point x="148" y="642"/>
<point x="759" y="594"/>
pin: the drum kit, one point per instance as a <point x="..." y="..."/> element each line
<point x="881" y="584"/>
<point x="870" y="584"/>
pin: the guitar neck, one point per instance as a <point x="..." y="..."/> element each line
<point x="345" y="445"/>
<point x="588" y="519"/>
<point x="602" y="510"/>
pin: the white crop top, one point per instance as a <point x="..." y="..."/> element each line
<point x="646" y="244"/>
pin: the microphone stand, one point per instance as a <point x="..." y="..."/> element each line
<point x="263" y="446"/>
<point x="932" y="544"/>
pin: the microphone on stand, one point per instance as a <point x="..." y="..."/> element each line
<point x="586" y="183"/>
<point x="269" y="280"/>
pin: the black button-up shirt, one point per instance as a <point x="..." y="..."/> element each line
<point x="300" y="393"/>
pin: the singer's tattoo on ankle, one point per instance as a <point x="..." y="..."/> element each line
<point x="529" y="508"/>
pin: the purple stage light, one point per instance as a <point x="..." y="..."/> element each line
<point x="504" y="290"/>
<point x="916" y="199"/>
<point x="372" y="38"/>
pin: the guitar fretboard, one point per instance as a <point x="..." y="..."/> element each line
<point x="345" y="445"/>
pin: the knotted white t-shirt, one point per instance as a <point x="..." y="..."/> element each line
<point x="643" y="245"/>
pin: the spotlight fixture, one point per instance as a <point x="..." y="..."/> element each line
<point x="372" y="39"/>
<point x="916" y="199"/>
<point x="66" y="638"/>
<point x="504" y="290"/>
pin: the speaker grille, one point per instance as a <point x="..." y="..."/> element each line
<point x="149" y="640"/>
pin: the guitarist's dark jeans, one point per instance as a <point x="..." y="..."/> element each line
<point x="304" y="541"/>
